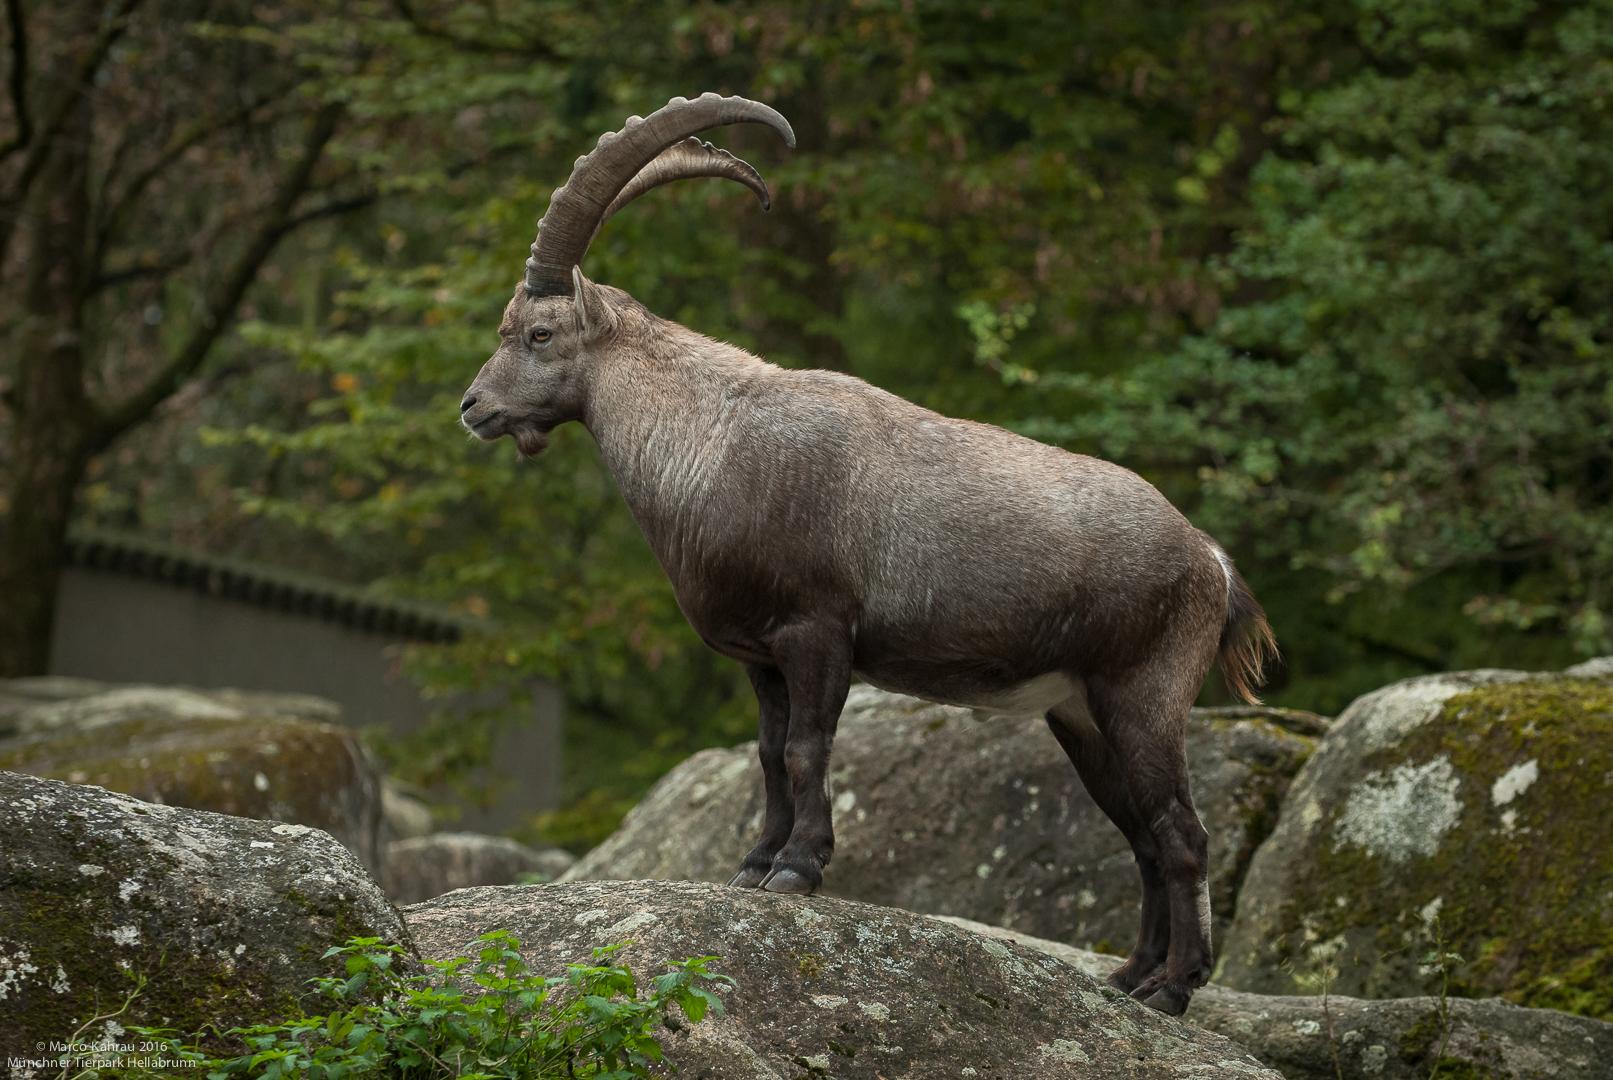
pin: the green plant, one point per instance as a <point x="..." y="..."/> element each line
<point x="515" y="1025"/>
<point x="1322" y="971"/>
<point x="71" y="1070"/>
<point x="1440" y="961"/>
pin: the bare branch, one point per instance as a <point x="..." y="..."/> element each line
<point x="333" y="208"/>
<point x="39" y="146"/>
<point x="222" y="304"/>
<point x="18" y="84"/>
<point x="162" y="267"/>
<point x="111" y="30"/>
<point x="113" y="218"/>
<point x="156" y="268"/>
<point x="114" y="165"/>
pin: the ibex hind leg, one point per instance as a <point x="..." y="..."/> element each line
<point x="772" y="695"/>
<point x="1099" y="768"/>
<point x="1143" y="719"/>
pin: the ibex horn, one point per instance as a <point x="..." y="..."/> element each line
<point x="690" y="159"/>
<point x="646" y="153"/>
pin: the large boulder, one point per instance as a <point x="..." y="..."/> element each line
<point x="423" y="867"/>
<point x="828" y="987"/>
<point x="935" y="812"/>
<point x="278" y="757"/>
<point x="223" y="918"/>
<point x="1463" y="814"/>
<point x="1307" y="1038"/>
<point x="1403" y="1038"/>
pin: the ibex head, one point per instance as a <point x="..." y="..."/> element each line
<point x="558" y="320"/>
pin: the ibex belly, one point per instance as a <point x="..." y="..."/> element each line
<point x="1031" y="698"/>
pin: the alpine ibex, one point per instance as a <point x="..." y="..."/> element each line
<point x="817" y="529"/>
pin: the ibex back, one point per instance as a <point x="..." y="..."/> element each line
<point x="818" y="529"/>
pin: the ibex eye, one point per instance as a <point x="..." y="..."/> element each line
<point x="540" y="335"/>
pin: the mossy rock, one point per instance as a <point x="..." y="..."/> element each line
<point x="1343" y="1038"/>
<point x="1469" y="814"/>
<point x="938" y="813"/>
<point x="216" y="921"/>
<point x="251" y="755"/>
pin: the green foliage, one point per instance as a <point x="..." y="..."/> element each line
<point x="1412" y="405"/>
<point x="1334" y="276"/>
<point x="487" y="1019"/>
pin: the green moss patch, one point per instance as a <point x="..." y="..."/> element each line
<point x="266" y="768"/>
<point x="207" y="920"/>
<point x="1518" y="878"/>
<point x="86" y="973"/>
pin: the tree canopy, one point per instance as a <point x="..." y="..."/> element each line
<point x="1335" y="276"/>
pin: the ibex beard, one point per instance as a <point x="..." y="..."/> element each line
<point x="817" y="529"/>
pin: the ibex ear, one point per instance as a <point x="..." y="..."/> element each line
<point x="593" y="313"/>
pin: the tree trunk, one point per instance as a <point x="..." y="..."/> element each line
<point x="54" y="425"/>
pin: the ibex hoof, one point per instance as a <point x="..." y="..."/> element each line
<point x="788" y="881"/>
<point x="1127" y="979"/>
<point x="749" y="877"/>
<point x="1163" y="997"/>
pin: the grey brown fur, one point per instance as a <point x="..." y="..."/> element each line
<point x="816" y="529"/>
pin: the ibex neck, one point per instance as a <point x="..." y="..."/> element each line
<point x="662" y="424"/>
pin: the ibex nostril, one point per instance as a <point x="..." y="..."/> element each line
<point x="467" y="403"/>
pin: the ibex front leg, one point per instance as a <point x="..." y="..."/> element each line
<point x="814" y="657"/>
<point x="774" y="698"/>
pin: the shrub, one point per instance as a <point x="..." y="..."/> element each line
<point x="506" y="1024"/>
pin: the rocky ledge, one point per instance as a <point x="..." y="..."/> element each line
<point x="835" y="988"/>
<point x="1345" y="1038"/>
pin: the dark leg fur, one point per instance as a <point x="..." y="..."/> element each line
<point x="1155" y="767"/>
<point x="779" y="818"/>
<point x="814" y="665"/>
<point x="1136" y="771"/>
<point x="1100" y="771"/>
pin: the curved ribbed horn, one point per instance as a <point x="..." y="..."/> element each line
<point x="690" y="159"/>
<point x="580" y="206"/>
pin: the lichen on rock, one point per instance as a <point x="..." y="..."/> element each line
<point x="1446" y="815"/>
<point x="1307" y="1038"/>
<point x="833" y="988"/>
<point x="224" y="918"/>
<point x="1403" y="812"/>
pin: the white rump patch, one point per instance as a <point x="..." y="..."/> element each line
<point x="1226" y="568"/>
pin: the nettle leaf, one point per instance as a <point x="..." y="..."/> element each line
<point x="694" y="1004"/>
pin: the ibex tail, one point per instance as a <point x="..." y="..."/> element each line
<point x="1247" y="643"/>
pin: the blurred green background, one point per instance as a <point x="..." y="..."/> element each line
<point x="1337" y="277"/>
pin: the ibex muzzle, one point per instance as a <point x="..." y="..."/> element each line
<point x="816" y="528"/>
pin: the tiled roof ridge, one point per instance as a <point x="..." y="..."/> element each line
<point x="260" y="584"/>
